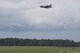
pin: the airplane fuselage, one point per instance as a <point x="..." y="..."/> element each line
<point x="46" y="6"/>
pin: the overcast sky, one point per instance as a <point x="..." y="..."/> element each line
<point x="26" y="17"/>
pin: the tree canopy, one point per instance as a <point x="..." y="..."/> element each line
<point x="36" y="42"/>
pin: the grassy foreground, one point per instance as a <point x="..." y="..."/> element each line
<point x="36" y="49"/>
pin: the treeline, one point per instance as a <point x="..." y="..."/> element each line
<point x="36" y="42"/>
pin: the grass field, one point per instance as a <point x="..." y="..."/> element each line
<point x="36" y="49"/>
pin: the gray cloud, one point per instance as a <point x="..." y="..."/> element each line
<point x="26" y="15"/>
<point x="72" y="35"/>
